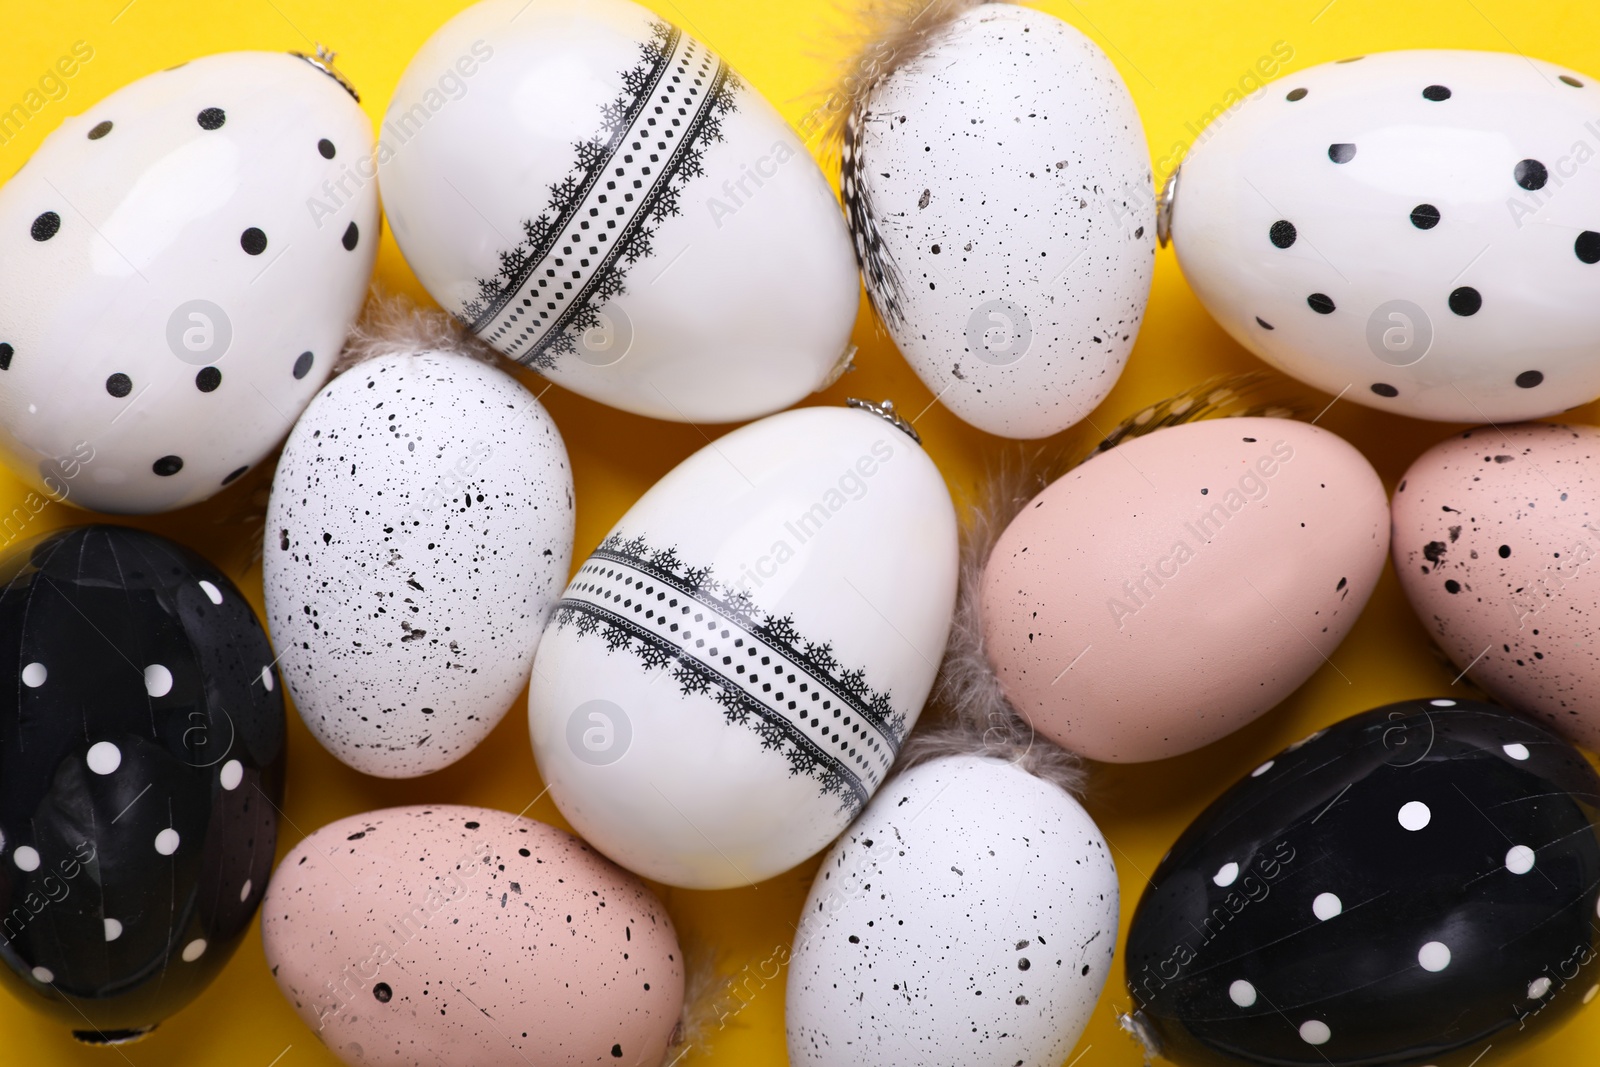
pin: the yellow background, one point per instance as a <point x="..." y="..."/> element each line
<point x="1179" y="60"/>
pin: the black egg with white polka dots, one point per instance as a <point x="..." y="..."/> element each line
<point x="1410" y="886"/>
<point x="141" y="770"/>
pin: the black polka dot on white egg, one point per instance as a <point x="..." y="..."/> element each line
<point x="253" y="241"/>
<point x="45" y="226"/>
<point x="1529" y="378"/>
<point x="302" y="365"/>
<point x="1465" y="300"/>
<point x="325" y="148"/>
<point x="99" y="130"/>
<point x="6" y="352"/>
<point x="1424" y="216"/>
<point x="1295" y="94"/>
<point x="167" y="466"/>
<point x="1384" y="389"/>
<point x="212" y="118"/>
<point x="351" y="237"/>
<point x="119" y="385"/>
<point x="1530" y="174"/>
<point x="1341" y="153"/>
<point x="1587" y="246"/>
<point x="1282" y="233"/>
<point x="1321" y="303"/>
<point x="207" y="379"/>
<point x="1436" y="93"/>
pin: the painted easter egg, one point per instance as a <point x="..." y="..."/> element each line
<point x="999" y="191"/>
<point x="181" y="264"/>
<point x="1415" y="231"/>
<point x="1495" y="543"/>
<point x="1411" y="886"/>
<point x="461" y="936"/>
<point x="729" y="676"/>
<point x="968" y="916"/>
<point x="1168" y="591"/>
<point x="596" y="194"/>
<point x="419" y="531"/>
<point x="141" y="770"/>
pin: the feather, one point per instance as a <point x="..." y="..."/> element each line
<point x="392" y="322"/>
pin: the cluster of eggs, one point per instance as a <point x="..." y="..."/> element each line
<point x="729" y="683"/>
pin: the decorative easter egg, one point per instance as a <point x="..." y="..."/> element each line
<point x="999" y="191"/>
<point x="968" y="916"/>
<point x="729" y="676"/>
<point x="419" y="531"/>
<point x="463" y="936"/>
<point x="1168" y="591"/>
<point x="141" y="770"/>
<point x="1495" y="543"/>
<point x="180" y="266"/>
<point x="1415" y="231"/>
<point x="1410" y="886"/>
<point x="596" y="194"/>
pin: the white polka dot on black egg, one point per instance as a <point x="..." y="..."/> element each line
<point x="194" y="950"/>
<point x="43" y="974"/>
<point x="26" y="858"/>
<point x="1226" y="874"/>
<point x="166" y="841"/>
<point x="212" y="593"/>
<point x="104" y="757"/>
<point x="231" y="775"/>
<point x="113" y="929"/>
<point x="34" y="675"/>
<point x="1404" y="878"/>
<point x="157" y="680"/>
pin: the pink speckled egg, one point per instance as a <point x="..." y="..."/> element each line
<point x="448" y="935"/>
<point x="1497" y="547"/>
<point x="1165" y="593"/>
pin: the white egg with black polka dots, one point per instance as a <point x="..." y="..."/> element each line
<point x="1000" y="195"/>
<point x="968" y="916"/>
<point x="418" y="533"/>
<point x="179" y="265"/>
<point x="1415" y="231"/>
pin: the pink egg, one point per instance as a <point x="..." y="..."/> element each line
<point x="1497" y="544"/>
<point x="1165" y="593"/>
<point x="459" y="935"/>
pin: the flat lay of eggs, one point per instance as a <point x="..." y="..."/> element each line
<point x="895" y="532"/>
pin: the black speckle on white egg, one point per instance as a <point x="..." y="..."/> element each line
<point x="412" y="509"/>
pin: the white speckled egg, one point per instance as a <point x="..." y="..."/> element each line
<point x="1417" y="231"/>
<point x="419" y="530"/>
<point x="455" y="936"/>
<point x="179" y="266"/>
<point x="729" y="676"/>
<point x="969" y="916"/>
<point x="596" y="194"/>
<point x="1169" y="591"/>
<point x="999" y="190"/>
<point x="1497" y="545"/>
